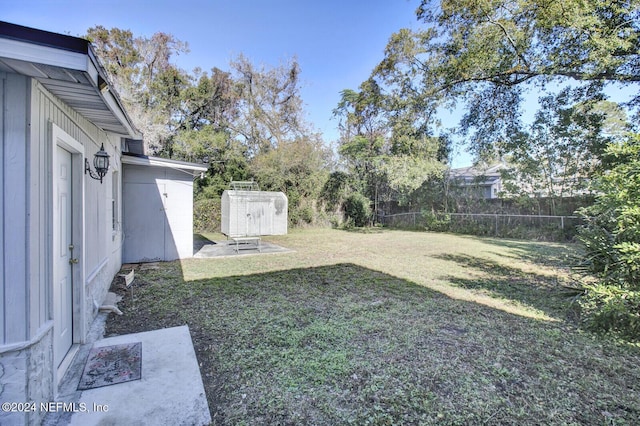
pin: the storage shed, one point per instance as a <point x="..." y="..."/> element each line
<point x="246" y="211"/>
<point x="158" y="208"/>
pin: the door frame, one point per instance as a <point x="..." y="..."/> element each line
<point x="64" y="140"/>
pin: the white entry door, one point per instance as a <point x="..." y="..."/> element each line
<point x="62" y="256"/>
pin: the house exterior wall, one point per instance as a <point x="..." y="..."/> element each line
<point x="483" y="182"/>
<point x="32" y="116"/>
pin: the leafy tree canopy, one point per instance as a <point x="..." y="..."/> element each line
<point x="148" y="82"/>
<point x="245" y="123"/>
<point x="563" y="149"/>
<point x="386" y="143"/>
<point x="486" y="53"/>
<point x="270" y="107"/>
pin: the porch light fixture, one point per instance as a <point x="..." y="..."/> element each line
<point x="100" y="163"/>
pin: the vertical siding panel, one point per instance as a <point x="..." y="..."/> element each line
<point x="3" y="242"/>
<point x="37" y="214"/>
<point x="46" y="199"/>
<point x="43" y="143"/>
<point x="38" y="134"/>
<point x="33" y="228"/>
<point x="38" y="237"/>
<point x="47" y="260"/>
<point x="48" y="114"/>
<point x="15" y="166"/>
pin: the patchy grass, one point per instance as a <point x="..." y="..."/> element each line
<point x="390" y="327"/>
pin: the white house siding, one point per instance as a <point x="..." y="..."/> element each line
<point x="25" y="332"/>
<point x="27" y="372"/>
<point x="13" y="90"/>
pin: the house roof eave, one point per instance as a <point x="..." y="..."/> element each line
<point x="69" y="68"/>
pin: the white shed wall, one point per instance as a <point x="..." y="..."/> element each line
<point x="158" y="214"/>
<point x="253" y="213"/>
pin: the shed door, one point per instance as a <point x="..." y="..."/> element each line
<point x="178" y="204"/>
<point x="158" y="214"/>
<point x="255" y="217"/>
<point x="144" y="222"/>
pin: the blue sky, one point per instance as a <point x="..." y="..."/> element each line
<point x="337" y="42"/>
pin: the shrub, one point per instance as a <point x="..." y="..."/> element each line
<point x="436" y="222"/>
<point x="357" y="209"/>
<point x="611" y="239"/>
<point x="206" y="215"/>
<point x="307" y="214"/>
<point x="611" y="308"/>
<point x="303" y="212"/>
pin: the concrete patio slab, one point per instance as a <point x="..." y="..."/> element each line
<point x="169" y="392"/>
<point x="228" y="249"/>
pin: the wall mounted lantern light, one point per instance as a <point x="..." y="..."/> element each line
<point x="100" y="163"/>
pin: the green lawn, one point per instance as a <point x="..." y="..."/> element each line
<point x="390" y="327"/>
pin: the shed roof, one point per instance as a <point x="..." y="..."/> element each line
<point x="145" y="160"/>
<point x="69" y="68"/>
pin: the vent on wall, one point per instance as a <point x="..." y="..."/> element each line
<point x="133" y="146"/>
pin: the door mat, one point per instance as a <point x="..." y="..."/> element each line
<point x="109" y="365"/>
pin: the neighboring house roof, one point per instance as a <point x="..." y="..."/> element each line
<point x="474" y="171"/>
<point x="478" y="175"/>
<point x="69" y="68"/>
<point x="487" y="181"/>
<point x="145" y="160"/>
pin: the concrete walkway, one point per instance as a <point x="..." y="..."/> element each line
<point x="170" y="391"/>
<point x="228" y="249"/>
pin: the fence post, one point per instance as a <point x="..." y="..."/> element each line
<point x="562" y="222"/>
<point x="496" y="224"/>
